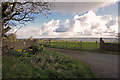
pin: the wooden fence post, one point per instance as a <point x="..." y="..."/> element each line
<point x="49" y="42"/>
<point x="75" y="45"/>
<point x="24" y="43"/>
<point x="101" y="44"/>
<point x="81" y="44"/>
<point x="66" y="44"/>
<point x="96" y="45"/>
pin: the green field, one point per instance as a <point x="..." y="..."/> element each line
<point x="47" y="64"/>
<point x="77" y="45"/>
<point x="72" y="45"/>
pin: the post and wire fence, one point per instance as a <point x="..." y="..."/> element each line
<point x="70" y="44"/>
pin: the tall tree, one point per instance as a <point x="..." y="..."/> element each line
<point x="21" y="12"/>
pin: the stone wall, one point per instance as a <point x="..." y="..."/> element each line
<point x="19" y="43"/>
<point x="109" y="46"/>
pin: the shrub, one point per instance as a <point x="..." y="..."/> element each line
<point x="20" y="52"/>
<point x="16" y="53"/>
<point x="32" y="50"/>
<point x="37" y="49"/>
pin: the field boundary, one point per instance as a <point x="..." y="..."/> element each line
<point x="109" y="46"/>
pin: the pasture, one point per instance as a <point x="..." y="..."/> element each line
<point x="72" y="44"/>
<point x="76" y="45"/>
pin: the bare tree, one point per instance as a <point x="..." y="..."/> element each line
<point x="21" y="12"/>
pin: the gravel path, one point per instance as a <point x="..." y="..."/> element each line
<point x="105" y="65"/>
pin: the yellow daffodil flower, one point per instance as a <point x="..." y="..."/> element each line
<point x="20" y="50"/>
<point x="42" y="46"/>
<point x="44" y="49"/>
<point x="24" y="51"/>
<point x="31" y="49"/>
<point x="27" y="53"/>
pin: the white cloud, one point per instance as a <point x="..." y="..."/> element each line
<point x="49" y="28"/>
<point x="87" y="25"/>
<point x="61" y="28"/>
<point x="26" y="32"/>
<point x="67" y="21"/>
<point x="51" y="25"/>
<point x="80" y="7"/>
<point x="94" y="25"/>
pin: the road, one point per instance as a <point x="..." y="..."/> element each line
<point x="105" y="65"/>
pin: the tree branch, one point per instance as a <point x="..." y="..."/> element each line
<point x="9" y="18"/>
<point x="22" y="17"/>
<point x="12" y="10"/>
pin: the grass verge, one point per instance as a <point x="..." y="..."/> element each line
<point x="48" y="64"/>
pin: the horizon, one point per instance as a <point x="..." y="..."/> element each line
<point x="73" y="38"/>
<point x="81" y="39"/>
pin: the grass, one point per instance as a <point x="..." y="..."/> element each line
<point x="72" y="44"/>
<point x="13" y="68"/>
<point x="45" y="65"/>
<point x="84" y="46"/>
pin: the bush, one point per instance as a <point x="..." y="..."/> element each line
<point x="20" y="52"/>
<point x="32" y="50"/>
<point x="15" y="53"/>
<point x="37" y="49"/>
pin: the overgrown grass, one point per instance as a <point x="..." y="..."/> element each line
<point x="45" y="65"/>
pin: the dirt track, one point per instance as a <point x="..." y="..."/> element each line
<point x="105" y="65"/>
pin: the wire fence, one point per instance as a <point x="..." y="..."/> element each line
<point x="62" y="44"/>
<point x="70" y="44"/>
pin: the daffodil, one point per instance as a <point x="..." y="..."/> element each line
<point x="44" y="49"/>
<point x="20" y="50"/>
<point x="27" y="53"/>
<point x="42" y="46"/>
<point x="31" y="49"/>
<point x="24" y="51"/>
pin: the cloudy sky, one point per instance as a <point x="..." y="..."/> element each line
<point x="75" y="19"/>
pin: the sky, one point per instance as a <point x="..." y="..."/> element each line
<point x="75" y="19"/>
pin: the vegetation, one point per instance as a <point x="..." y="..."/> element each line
<point x="36" y="62"/>
<point x="32" y="50"/>
<point x="76" y="45"/>
<point x="72" y="44"/>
